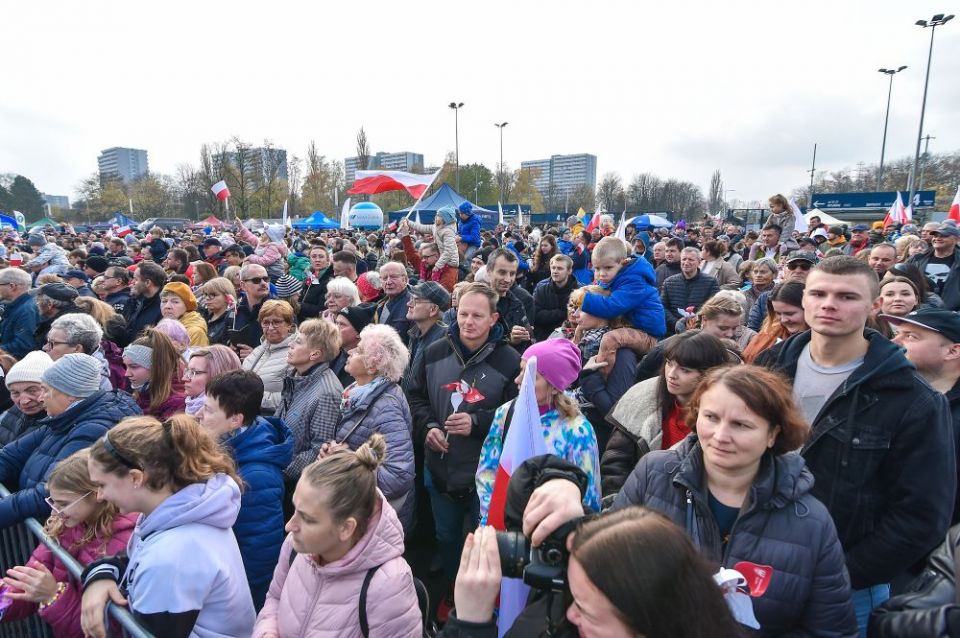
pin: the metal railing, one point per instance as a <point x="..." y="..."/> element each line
<point x="16" y="545"/>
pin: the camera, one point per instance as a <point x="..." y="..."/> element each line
<point x="543" y="567"/>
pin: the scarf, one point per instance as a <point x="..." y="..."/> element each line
<point x="194" y="404"/>
<point x="354" y="394"/>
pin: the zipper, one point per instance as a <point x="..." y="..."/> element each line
<point x="316" y="597"/>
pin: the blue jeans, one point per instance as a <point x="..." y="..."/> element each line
<point x="865" y="600"/>
<point x="453" y="518"/>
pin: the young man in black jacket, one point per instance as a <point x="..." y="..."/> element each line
<point x="551" y="295"/>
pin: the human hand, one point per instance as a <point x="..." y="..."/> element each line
<point x="330" y="447"/>
<point x="436" y="441"/>
<point x="459" y="423"/>
<point x="519" y="334"/>
<point x="550" y="506"/>
<point x="34" y="582"/>
<point x="594" y="364"/>
<point x="93" y="606"/>
<point x="243" y="351"/>
<point x="478" y="581"/>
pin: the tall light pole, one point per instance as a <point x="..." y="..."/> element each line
<point x="501" y="126"/>
<point x="456" y="106"/>
<point x="886" y="120"/>
<point x="933" y="23"/>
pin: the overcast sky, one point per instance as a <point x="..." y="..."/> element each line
<point x="677" y="89"/>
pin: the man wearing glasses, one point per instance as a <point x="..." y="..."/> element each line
<point x="392" y="309"/>
<point x="255" y="289"/>
<point x="20" y="313"/>
<point x="116" y="284"/>
<point x="26" y="392"/>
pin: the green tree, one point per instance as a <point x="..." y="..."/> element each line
<point x="152" y="196"/>
<point x="6" y="199"/>
<point x="323" y="183"/>
<point x="524" y="191"/>
<point x="26" y="198"/>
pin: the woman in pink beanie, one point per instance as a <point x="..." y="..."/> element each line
<point x="566" y="432"/>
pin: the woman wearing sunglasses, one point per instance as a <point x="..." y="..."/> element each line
<point x="86" y="528"/>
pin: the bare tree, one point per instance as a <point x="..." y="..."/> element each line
<point x="294" y="169"/>
<point x="715" y="195"/>
<point x="610" y="193"/>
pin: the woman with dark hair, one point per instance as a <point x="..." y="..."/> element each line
<point x="540" y="269"/>
<point x="928" y="298"/>
<point x="784" y="319"/>
<point x="650" y="415"/>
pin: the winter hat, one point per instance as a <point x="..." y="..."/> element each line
<point x="447" y="214"/>
<point x="139" y="354"/>
<point x="183" y="291"/>
<point x="30" y="368"/>
<point x="97" y="263"/>
<point x="369" y="289"/>
<point x="75" y="374"/>
<point x="275" y="232"/>
<point x="558" y="360"/>
<point x="36" y="240"/>
<point x="288" y="286"/>
<point x="466" y="208"/>
<point x="359" y="316"/>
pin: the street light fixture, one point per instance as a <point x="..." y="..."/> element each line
<point x="936" y="21"/>
<point x="456" y="106"/>
<point x="886" y="120"/>
<point x="501" y="126"/>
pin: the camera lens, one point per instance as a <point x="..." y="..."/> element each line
<point x="514" y="553"/>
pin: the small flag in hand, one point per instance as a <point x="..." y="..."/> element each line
<point x="220" y="190"/>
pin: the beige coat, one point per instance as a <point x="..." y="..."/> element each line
<point x="270" y="363"/>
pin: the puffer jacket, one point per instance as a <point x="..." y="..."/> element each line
<point x="780" y="525"/>
<point x="309" y="600"/>
<point x="261" y="452"/>
<point x="14" y="424"/>
<point x="385" y="410"/>
<point x="63" y="615"/>
<point x="881" y="449"/>
<point x="30" y="459"/>
<point x="140" y="313"/>
<point x="18" y="326"/>
<point x="269" y="254"/>
<point x="269" y="361"/>
<point x="489" y="373"/>
<point x="633" y="293"/>
<point x="310" y="406"/>
<point x="638" y="429"/>
<point x="929" y="607"/>
<point x="679" y="292"/>
<point x="196" y="328"/>
<point x="469" y="230"/>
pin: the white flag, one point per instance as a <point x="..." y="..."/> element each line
<point x="345" y="215"/>
<point x="286" y="220"/>
<point x="500" y="211"/>
<point x="621" y="233"/>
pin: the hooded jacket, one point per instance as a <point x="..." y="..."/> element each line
<point x="18" y="326"/>
<point x="881" y="450"/>
<point x="469" y="230"/>
<point x="488" y="373"/>
<point x="780" y="525"/>
<point x="633" y="292"/>
<point x="269" y="361"/>
<point x="30" y="459"/>
<point x="385" y="410"/>
<point x="261" y="451"/>
<point x="310" y="600"/>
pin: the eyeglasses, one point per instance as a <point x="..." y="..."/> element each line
<point x="54" y="344"/>
<point x="256" y="280"/>
<point x="60" y="510"/>
<point x="191" y="373"/>
<point x="802" y="265"/>
<point x="273" y="324"/>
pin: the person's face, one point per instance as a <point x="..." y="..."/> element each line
<point x="605" y="270"/>
<point x="429" y="256"/>
<point x="588" y="322"/>
<point x="733" y="436"/>
<point x="356" y="365"/>
<point x="419" y="309"/>
<point x="926" y="231"/>
<point x="722" y="327"/>
<point x="681" y="381"/>
<point x="170" y="262"/>
<point x="137" y="374"/>
<point x="707" y="233"/>
<point x="300" y="355"/>
<point x="503" y="274"/>
<point x="75" y="282"/>
<point x="573" y="313"/>
<point x="28" y="396"/>
<point x="57" y="345"/>
<point x="837" y="305"/>
<point x="256" y="284"/>
<point x="216" y="302"/>
<point x="917" y="248"/>
<point x="214" y="419"/>
<point x="544" y="391"/>
<point x="172" y="306"/>
<point x="343" y="269"/>
<point x="659" y="253"/>
<point x="592" y="613"/>
<point x="798" y="270"/>
<point x="9" y="291"/>
<point x="776" y="208"/>
<point x="195" y="376"/>
<point x="114" y="488"/>
<point x="791" y="317"/>
<point x="211" y="250"/>
<point x="55" y="401"/>
<point x="545" y="247"/>
<point x="234" y="258"/>
<point x="769" y="237"/>
<point x="925" y="349"/>
<point x="814" y="222"/>
<point x="559" y="272"/>
<point x="689" y="264"/>
<point x="319" y="259"/>
<point x="312" y="528"/>
<point x="335" y="301"/>
<point x="474" y="317"/>
<point x="275" y="329"/>
<point x="72" y="508"/>
<point x="141" y="287"/>
<point x="943" y="243"/>
<point x="671" y="254"/>
<point x="897" y="298"/>
<point x="348" y="334"/>
<point x="394" y="278"/>
<point x="859" y="235"/>
<point x="762" y="276"/>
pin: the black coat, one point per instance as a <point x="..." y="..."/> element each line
<point x="680" y="292"/>
<point x="313" y="297"/>
<point x="550" y="305"/>
<point x="882" y="452"/>
<point x="140" y="313"/>
<point x="951" y="287"/>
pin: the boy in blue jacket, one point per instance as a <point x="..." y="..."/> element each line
<point x="469" y="230"/>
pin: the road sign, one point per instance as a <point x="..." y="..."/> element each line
<point x="843" y="201"/>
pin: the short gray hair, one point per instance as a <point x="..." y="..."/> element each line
<point x="767" y="263"/>
<point x="246" y="268"/>
<point x="384" y="351"/>
<point x="343" y="286"/>
<point x="81" y="330"/>
<point x="16" y="276"/>
<point x="691" y="250"/>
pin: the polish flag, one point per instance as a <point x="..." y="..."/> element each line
<point x="594" y="222"/>
<point x="373" y="182"/>
<point x="523" y="441"/>
<point x="897" y="213"/>
<point x="955" y="207"/>
<point x="220" y="190"/>
<point x="124" y="231"/>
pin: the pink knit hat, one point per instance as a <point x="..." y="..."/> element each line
<point x="558" y="360"/>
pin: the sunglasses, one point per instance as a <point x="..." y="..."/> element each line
<point x="802" y="265"/>
<point x="60" y="510"/>
<point x="256" y="280"/>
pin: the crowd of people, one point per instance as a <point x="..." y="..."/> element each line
<point x="240" y="433"/>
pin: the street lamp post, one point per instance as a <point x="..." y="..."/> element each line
<point x="500" y="179"/>
<point x="933" y="23"/>
<point x="456" y="106"/>
<point x="886" y="120"/>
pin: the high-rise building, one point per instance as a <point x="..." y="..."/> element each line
<point x="127" y="164"/>
<point x="563" y="174"/>
<point x="56" y="201"/>
<point x="261" y="163"/>
<point x="405" y="161"/>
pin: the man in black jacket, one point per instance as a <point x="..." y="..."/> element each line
<point x="515" y="307"/>
<point x="671" y="266"/>
<point x="941" y="265"/>
<point x="690" y="288"/>
<point x="143" y="307"/>
<point x="551" y="295"/>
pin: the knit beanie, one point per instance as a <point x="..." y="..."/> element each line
<point x="359" y="316"/>
<point x="183" y="291"/>
<point x="288" y="286"/>
<point x="466" y="208"/>
<point x="367" y="287"/>
<point x="558" y="361"/>
<point x="30" y="368"/>
<point x="447" y="214"/>
<point x="75" y="374"/>
<point x="275" y="232"/>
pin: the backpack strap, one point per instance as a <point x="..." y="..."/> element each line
<point x="507" y="418"/>
<point x="364" y="627"/>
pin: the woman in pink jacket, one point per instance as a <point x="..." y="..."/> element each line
<point x="87" y="528"/>
<point x="344" y="540"/>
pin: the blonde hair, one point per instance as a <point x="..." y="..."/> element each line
<point x="71" y="475"/>
<point x="610" y="248"/>
<point x="323" y="336"/>
<point x="720" y="305"/>
<point x="164" y="365"/>
<point x="276" y="308"/>
<point x="101" y="311"/>
<point x="220" y="286"/>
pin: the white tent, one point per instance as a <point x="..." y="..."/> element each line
<point x="824" y="217"/>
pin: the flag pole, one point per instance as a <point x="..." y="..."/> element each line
<point x="419" y="199"/>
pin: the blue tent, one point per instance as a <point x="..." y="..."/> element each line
<point x="446" y="196"/>
<point x="122" y="220"/>
<point x="317" y="221"/>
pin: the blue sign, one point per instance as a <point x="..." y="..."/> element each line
<point x="843" y="201"/>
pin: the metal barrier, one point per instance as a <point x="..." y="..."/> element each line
<point x="16" y="545"/>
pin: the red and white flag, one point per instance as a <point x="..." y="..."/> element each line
<point x="955" y="207"/>
<point x="897" y="213"/>
<point x="523" y="441"/>
<point x="373" y="182"/>
<point x="124" y="231"/>
<point x="594" y="222"/>
<point x="220" y="190"/>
